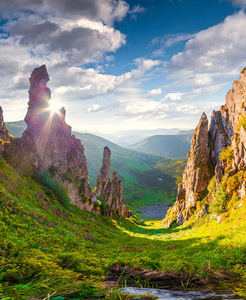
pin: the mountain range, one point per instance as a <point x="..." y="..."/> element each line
<point x="144" y="181"/>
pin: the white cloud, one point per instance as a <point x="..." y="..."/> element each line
<point x="238" y="3"/>
<point x="171" y="39"/>
<point x="173" y="97"/>
<point x="94" y="108"/>
<point x="215" y="50"/>
<point x="154" y="92"/>
<point x="210" y="58"/>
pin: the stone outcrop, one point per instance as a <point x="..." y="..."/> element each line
<point x="110" y="189"/>
<point x="227" y="131"/>
<point x="220" y="133"/>
<point x="196" y="176"/>
<point x="48" y="144"/>
<point x="54" y="143"/>
<point x="4" y="133"/>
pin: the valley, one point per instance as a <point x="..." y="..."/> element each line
<point x="138" y="170"/>
<point x="60" y="239"/>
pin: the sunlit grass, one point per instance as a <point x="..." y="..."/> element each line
<point x="48" y="248"/>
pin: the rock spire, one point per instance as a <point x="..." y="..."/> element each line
<point x="49" y="145"/>
<point x="227" y="136"/>
<point x="110" y="189"/>
<point x="196" y="175"/>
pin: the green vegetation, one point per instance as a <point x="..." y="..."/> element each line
<point x="137" y="170"/>
<point x="219" y="203"/>
<point x="242" y="122"/>
<point x="172" y="167"/>
<point x="226" y="156"/>
<point x="51" y="250"/>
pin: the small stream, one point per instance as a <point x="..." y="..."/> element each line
<point x="181" y="295"/>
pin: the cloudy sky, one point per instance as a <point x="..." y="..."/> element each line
<point x="123" y="64"/>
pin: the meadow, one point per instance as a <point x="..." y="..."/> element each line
<point x="50" y="249"/>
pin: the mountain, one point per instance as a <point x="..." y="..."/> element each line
<point x="214" y="178"/>
<point x="16" y="128"/>
<point x="136" y="169"/>
<point x="166" y="146"/>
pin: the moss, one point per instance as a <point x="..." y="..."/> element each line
<point x="53" y="170"/>
<point x="242" y="122"/>
<point x="226" y="156"/>
<point x="233" y="182"/>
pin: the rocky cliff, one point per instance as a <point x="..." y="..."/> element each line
<point x="49" y="145"/>
<point x="4" y="133"/>
<point x="214" y="173"/>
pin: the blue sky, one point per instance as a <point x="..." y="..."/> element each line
<point x="123" y="65"/>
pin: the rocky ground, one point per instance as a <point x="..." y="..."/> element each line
<point x="156" y="211"/>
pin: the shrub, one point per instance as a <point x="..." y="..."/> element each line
<point x="233" y="182"/>
<point x="226" y="156"/>
<point x="211" y="185"/>
<point x="55" y="187"/>
<point x="242" y="122"/>
<point x="219" y="203"/>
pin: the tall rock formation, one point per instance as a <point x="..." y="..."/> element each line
<point x="228" y="133"/>
<point x="54" y="143"/>
<point x="4" y="133"/>
<point x="48" y="144"/>
<point x="110" y="189"/>
<point x="196" y="176"/>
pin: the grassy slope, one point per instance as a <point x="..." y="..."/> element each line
<point x="47" y="249"/>
<point x="173" y="167"/>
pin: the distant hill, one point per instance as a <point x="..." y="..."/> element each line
<point x="166" y="146"/>
<point x="16" y="128"/>
<point x="143" y="183"/>
<point x="186" y="132"/>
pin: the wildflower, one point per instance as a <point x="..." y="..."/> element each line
<point x="95" y="199"/>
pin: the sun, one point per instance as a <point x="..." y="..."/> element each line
<point x="53" y="107"/>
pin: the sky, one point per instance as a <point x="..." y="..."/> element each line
<point x="123" y="64"/>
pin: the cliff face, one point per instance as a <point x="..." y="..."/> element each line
<point x="218" y="152"/>
<point x="4" y="133"/>
<point x="196" y="176"/>
<point x="54" y="142"/>
<point x="48" y="144"/>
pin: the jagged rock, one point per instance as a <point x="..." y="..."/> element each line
<point x="235" y="99"/>
<point x="55" y="145"/>
<point x="48" y="144"/>
<point x="219" y="172"/>
<point x="110" y="189"/>
<point x="4" y="133"/>
<point x="196" y="176"/>
<point x="220" y="134"/>
<point x="126" y="213"/>
<point x="228" y="128"/>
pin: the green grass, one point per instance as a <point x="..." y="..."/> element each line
<point x="48" y="249"/>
